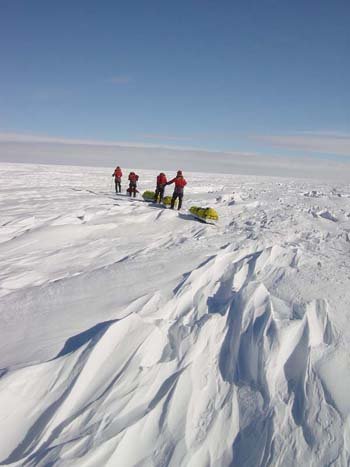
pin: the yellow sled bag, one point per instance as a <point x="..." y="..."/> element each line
<point x="148" y="195"/>
<point x="167" y="201"/>
<point x="206" y="214"/>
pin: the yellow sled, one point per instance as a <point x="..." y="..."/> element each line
<point x="208" y="215"/>
<point x="167" y="201"/>
<point x="148" y="195"/>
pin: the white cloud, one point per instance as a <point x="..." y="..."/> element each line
<point x="29" y="148"/>
<point x="32" y="138"/>
<point x="166" y="137"/>
<point x="318" y="142"/>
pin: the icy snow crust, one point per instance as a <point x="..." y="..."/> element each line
<point x="132" y="335"/>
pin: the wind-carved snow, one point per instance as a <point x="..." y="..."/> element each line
<point x="133" y="335"/>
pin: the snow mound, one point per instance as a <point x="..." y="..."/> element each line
<point x="223" y="355"/>
<point x="227" y="199"/>
<point x="313" y="194"/>
<point x="325" y="214"/>
<point x="146" y="338"/>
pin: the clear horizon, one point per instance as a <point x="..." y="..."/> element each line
<point x="257" y="78"/>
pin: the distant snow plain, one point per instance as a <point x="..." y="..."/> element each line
<point x="134" y="335"/>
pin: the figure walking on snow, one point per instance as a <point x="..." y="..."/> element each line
<point x="161" y="182"/>
<point x="180" y="183"/>
<point x="118" y="179"/>
<point x="133" y="178"/>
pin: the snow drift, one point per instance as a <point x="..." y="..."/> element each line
<point x="134" y="335"/>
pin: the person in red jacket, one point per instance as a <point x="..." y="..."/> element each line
<point x="161" y="182"/>
<point x="118" y="179"/>
<point x="180" y="183"/>
<point x="133" y="178"/>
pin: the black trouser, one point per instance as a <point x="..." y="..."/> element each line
<point x="160" y="193"/>
<point x="132" y="189"/>
<point x="173" y="199"/>
<point x="118" y="186"/>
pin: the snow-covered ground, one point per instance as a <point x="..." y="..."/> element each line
<point x="132" y="335"/>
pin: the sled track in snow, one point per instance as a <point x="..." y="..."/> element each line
<point x="200" y="378"/>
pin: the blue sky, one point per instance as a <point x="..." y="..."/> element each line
<point x="263" y="76"/>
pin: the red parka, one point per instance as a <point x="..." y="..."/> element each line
<point x="161" y="179"/>
<point x="118" y="172"/>
<point x="179" y="181"/>
<point x="133" y="177"/>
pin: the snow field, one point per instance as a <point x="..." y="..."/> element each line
<point x="134" y="335"/>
